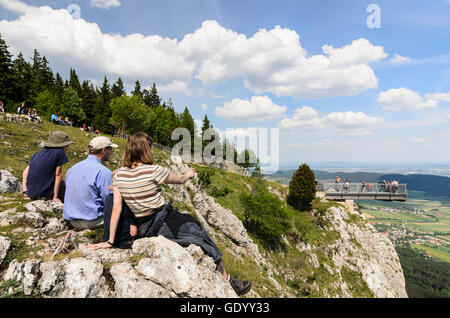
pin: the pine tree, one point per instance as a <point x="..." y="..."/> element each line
<point x="188" y="122"/>
<point x="155" y="100"/>
<point x="118" y="89"/>
<point x="88" y="97"/>
<point x="247" y="158"/>
<point x="6" y="74"/>
<point x="74" y="81"/>
<point x="37" y="82"/>
<point x="137" y="89"/>
<point x="302" y="188"/>
<point x="22" y="79"/>
<point x="102" y="107"/>
<point x="59" y="88"/>
<point x="46" y="75"/>
<point x="206" y="124"/>
<point x="151" y="98"/>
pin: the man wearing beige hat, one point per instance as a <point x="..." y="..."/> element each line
<point x="42" y="178"/>
<point x="87" y="185"/>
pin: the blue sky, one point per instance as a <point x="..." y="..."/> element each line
<point x="337" y="89"/>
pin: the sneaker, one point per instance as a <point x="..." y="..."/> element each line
<point x="240" y="287"/>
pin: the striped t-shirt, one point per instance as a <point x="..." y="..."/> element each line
<point x="140" y="187"/>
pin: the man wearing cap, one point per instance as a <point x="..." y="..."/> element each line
<point x="42" y="178"/>
<point x="87" y="185"/>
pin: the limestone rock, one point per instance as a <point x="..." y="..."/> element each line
<point x="224" y="220"/>
<point x="129" y="284"/>
<point x="183" y="277"/>
<point x="109" y="256"/>
<point x="9" y="183"/>
<point x="363" y="249"/>
<point x="73" y="278"/>
<point x="44" y="206"/>
<point x="29" y="219"/>
<point x="55" y="226"/>
<point x="5" y="243"/>
<point x="26" y="273"/>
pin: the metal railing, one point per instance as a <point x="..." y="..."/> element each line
<point x="369" y="188"/>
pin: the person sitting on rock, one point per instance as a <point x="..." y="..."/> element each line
<point x="42" y="178"/>
<point x="138" y="183"/>
<point x="87" y="185"/>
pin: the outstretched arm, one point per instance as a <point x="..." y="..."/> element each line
<point x="179" y="178"/>
<point x="115" y="216"/>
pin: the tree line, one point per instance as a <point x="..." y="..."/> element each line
<point x="105" y="108"/>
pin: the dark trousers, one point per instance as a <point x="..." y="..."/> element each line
<point x="123" y="237"/>
<point x="181" y="228"/>
<point x="61" y="193"/>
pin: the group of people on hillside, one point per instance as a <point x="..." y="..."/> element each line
<point x="54" y="118"/>
<point x="30" y="113"/>
<point x="127" y="203"/>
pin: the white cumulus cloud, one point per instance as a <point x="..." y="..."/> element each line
<point x="345" y="123"/>
<point x="398" y="99"/>
<point x="270" y="61"/>
<point x="105" y="4"/>
<point x="445" y="97"/>
<point x="258" y="108"/>
<point x="175" y="87"/>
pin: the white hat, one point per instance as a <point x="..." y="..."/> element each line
<point x="101" y="142"/>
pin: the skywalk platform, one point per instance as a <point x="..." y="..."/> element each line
<point x="367" y="191"/>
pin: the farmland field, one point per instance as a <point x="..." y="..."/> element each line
<point x="439" y="252"/>
<point x="427" y="223"/>
<point x="435" y="217"/>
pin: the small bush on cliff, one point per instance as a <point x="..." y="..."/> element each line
<point x="265" y="217"/>
<point x="204" y="176"/>
<point x="302" y="188"/>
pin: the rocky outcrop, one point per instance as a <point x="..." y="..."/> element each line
<point x="212" y="214"/>
<point x="5" y="243"/>
<point x="164" y="269"/>
<point x="9" y="183"/>
<point x="362" y="249"/>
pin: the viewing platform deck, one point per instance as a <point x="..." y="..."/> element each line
<point x="368" y="191"/>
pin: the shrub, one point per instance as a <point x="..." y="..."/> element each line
<point x="265" y="217"/>
<point x="204" y="177"/>
<point x="220" y="192"/>
<point x="302" y="188"/>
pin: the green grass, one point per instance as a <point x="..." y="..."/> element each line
<point x="441" y="253"/>
<point x="24" y="139"/>
<point x="10" y="289"/>
<point x="356" y="283"/>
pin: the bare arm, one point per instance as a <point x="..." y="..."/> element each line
<point x="58" y="178"/>
<point x="115" y="216"/>
<point x="24" y="180"/>
<point x="179" y="178"/>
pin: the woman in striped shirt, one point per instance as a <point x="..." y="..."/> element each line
<point x="138" y="183"/>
